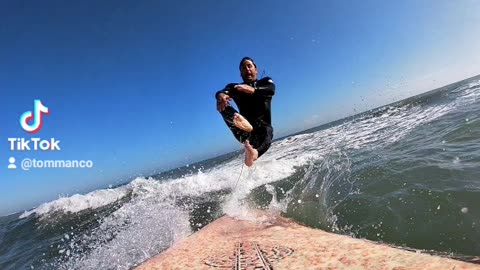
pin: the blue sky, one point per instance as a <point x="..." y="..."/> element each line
<point x="130" y="84"/>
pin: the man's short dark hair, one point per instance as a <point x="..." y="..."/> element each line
<point x="244" y="59"/>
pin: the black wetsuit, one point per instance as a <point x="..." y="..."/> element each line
<point x="256" y="109"/>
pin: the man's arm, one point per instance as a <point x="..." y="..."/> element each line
<point x="227" y="90"/>
<point x="265" y="87"/>
<point x="224" y="96"/>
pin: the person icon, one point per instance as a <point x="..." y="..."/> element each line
<point x="12" y="163"/>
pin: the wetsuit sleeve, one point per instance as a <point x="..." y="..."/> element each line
<point x="227" y="90"/>
<point x="265" y="87"/>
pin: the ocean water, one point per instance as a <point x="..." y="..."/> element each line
<point x="406" y="174"/>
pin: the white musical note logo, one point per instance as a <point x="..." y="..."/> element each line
<point x="36" y="125"/>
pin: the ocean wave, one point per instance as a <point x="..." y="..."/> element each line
<point x="156" y="214"/>
<point x="79" y="202"/>
<point x="390" y="126"/>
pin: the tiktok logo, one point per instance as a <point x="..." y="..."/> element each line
<point x="38" y="109"/>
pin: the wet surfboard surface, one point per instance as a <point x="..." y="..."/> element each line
<point x="268" y="241"/>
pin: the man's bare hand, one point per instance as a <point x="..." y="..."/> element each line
<point x="222" y="101"/>
<point x="244" y="88"/>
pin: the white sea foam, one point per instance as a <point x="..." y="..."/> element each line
<point x="469" y="95"/>
<point x="77" y="202"/>
<point x="137" y="231"/>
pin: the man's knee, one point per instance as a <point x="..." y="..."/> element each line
<point x="263" y="139"/>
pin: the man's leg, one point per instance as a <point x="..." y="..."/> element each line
<point x="251" y="154"/>
<point x="258" y="144"/>
<point x="239" y="126"/>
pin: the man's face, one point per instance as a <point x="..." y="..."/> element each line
<point x="248" y="71"/>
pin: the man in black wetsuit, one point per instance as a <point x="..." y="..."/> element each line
<point x="253" y="125"/>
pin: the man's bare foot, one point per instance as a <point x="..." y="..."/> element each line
<point x="251" y="154"/>
<point x="242" y="123"/>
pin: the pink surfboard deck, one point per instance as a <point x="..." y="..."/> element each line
<point x="269" y="241"/>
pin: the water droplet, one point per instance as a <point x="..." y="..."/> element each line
<point x="438" y="208"/>
<point x="464" y="210"/>
<point x="299" y="201"/>
<point x="456" y="160"/>
<point x="61" y="251"/>
<point x="67" y="236"/>
<point x="443" y="141"/>
<point x="208" y="210"/>
<point x="317" y="195"/>
<point x="466" y="120"/>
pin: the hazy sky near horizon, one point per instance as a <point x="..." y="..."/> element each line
<point x="130" y="84"/>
